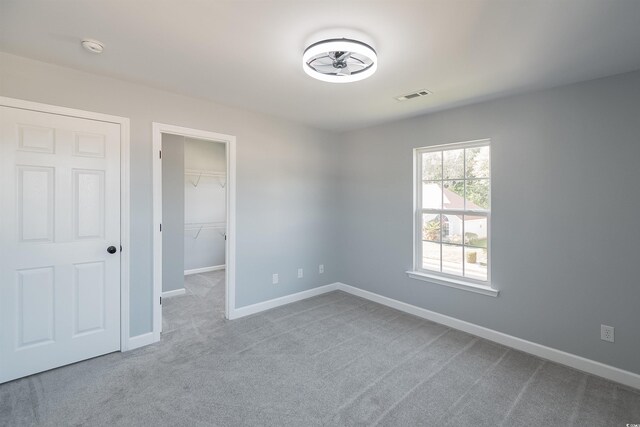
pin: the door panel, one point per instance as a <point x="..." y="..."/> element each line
<point x="35" y="203"/>
<point x="34" y="138"/>
<point x="89" y="145"/>
<point x="88" y="204"/>
<point x="89" y="303"/>
<point x="60" y="210"/>
<point x="35" y="306"/>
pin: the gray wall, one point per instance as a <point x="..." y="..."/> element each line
<point x="172" y="212"/>
<point x="285" y="178"/>
<point x="205" y="155"/>
<point x="565" y="203"/>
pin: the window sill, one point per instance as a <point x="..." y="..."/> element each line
<point x="453" y="283"/>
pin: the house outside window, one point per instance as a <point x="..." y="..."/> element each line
<point x="453" y="211"/>
<point x="445" y="226"/>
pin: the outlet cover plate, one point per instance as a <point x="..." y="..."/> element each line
<point x="607" y="333"/>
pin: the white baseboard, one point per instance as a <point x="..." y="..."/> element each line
<point x="276" y="302"/>
<point x="173" y="293"/>
<point x="621" y="376"/>
<point x="204" y="269"/>
<point x="140" y="341"/>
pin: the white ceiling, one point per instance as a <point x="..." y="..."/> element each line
<point x="248" y="53"/>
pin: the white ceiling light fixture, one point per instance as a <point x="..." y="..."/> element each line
<point x="93" y="46"/>
<point x="340" y="60"/>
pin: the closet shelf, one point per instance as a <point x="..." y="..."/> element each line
<point x="222" y="176"/>
<point x="218" y="224"/>
<point x="198" y="227"/>
<point x="204" y="172"/>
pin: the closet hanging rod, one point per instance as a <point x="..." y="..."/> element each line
<point x="200" y="174"/>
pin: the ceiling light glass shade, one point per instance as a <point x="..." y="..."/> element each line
<point x="340" y="60"/>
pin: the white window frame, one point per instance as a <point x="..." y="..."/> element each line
<point x="441" y="278"/>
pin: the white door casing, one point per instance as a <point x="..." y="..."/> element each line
<point x="230" y="248"/>
<point x="60" y="210"/>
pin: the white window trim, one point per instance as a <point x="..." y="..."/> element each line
<point x="453" y="283"/>
<point x="444" y="279"/>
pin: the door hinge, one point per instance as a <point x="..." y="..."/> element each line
<point x="160" y="153"/>
<point x="161" y="228"/>
<point x="160" y="300"/>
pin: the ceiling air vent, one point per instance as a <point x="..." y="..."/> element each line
<point x="412" y="95"/>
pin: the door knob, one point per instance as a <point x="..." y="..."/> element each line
<point x="111" y="249"/>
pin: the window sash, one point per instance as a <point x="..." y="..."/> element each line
<point x="419" y="250"/>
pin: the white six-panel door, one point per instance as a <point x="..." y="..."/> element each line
<point x="60" y="211"/>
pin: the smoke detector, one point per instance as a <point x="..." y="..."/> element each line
<point x="93" y="46"/>
<point x="340" y="60"/>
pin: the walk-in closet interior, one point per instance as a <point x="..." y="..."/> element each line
<point x="194" y="175"/>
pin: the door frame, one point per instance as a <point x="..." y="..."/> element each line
<point x="124" y="194"/>
<point x="230" y="244"/>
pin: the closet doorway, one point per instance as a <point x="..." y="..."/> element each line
<point x="194" y="220"/>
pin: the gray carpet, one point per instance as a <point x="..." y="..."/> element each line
<point x="331" y="360"/>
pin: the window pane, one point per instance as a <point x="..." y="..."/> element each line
<point x="432" y="195"/>
<point x="452" y="259"/>
<point x="477" y="194"/>
<point x="451" y="226"/>
<point x="453" y="194"/>
<point x="453" y="164"/>
<point x="431" y="227"/>
<point x="477" y="162"/>
<point x="432" y="166"/>
<point x="475" y="263"/>
<point x="475" y="231"/>
<point x="431" y="256"/>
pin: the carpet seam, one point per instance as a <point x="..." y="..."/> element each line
<point x="431" y="375"/>
<point x="450" y="410"/>
<point x="522" y="391"/>
<point x="397" y="337"/>
<point x="391" y="369"/>
<point x="581" y="390"/>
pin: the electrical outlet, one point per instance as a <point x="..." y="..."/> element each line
<point x="300" y="273"/>
<point x="275" y="278"/>
<point x="321" y="268"/>
<point x="607" y="333"/>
